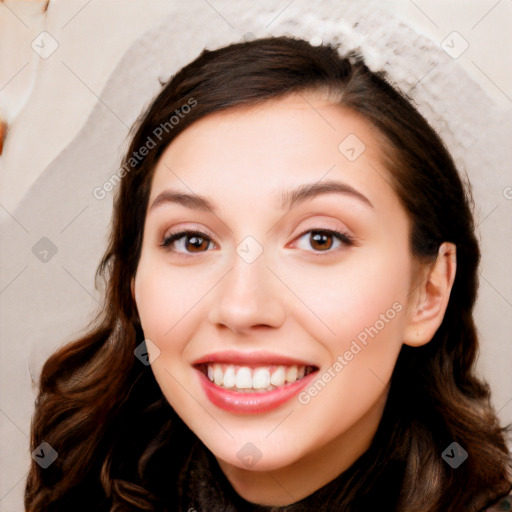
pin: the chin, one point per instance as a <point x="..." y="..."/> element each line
<point x="255" y="456"/>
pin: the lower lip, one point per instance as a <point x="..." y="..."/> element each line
<point x="251" y="403"/>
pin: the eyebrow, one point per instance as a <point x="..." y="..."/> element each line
<point x="289" y="198"/>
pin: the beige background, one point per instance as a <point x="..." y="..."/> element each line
<point x="68" y="115"/>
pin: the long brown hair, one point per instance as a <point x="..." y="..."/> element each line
<point x="101" y="409"/>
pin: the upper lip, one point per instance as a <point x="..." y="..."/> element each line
<point x="250" y="358"/>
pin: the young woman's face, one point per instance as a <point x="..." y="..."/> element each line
<point x="298" y="262"/>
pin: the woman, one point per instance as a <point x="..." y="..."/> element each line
<point x="288" y="324"/>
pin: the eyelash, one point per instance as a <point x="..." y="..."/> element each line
<point x="344" y="238"/>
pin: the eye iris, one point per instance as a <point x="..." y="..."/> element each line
<point x="321" y="238"/>
<point x="197" y="243"/>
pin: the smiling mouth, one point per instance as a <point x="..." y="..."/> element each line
<point x="253" y="378"/>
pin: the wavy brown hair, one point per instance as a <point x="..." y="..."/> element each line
<point x="121" y="446"/>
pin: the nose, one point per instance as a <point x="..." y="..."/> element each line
<point x="249" y="296"/>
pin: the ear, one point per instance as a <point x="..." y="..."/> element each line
<point x="430" y="298"/>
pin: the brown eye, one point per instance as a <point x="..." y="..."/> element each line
<point x="323" y="240"/>
<point x="196" y="244"/>
<point x="187" y="242"/>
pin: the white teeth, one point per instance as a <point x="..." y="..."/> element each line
<point x="261" y="378"/>
<point x="291" y="374"/>
<point x="244" y="378"/>
<point x="249" y="379"/>
<point x="218" y="374"/>
<point x="278" y="377"/>
<point x="229" y="377"/>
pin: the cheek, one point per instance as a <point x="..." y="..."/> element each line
<point x="154" y="303"/>
<point x="163" y="299"/>
<point x="167" y="300"/>
<point x="164" y="295"/>
<point x="339" y="303"/>
<point x="365" y="313"/>
<point x="362" y="303"/>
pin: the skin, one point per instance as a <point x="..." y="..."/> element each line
<point x="294" y="299"/>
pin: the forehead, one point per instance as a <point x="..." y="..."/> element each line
<point x="260" y="151"/>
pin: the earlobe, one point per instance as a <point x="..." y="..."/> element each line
<point x="430" y="299"/>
